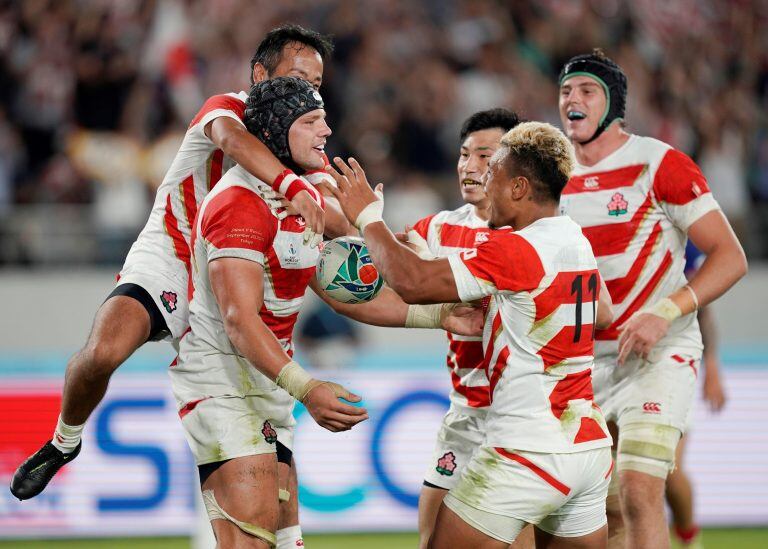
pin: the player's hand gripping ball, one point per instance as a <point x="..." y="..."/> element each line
<point x="345" y="271"/>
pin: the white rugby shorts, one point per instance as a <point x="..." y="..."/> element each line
<point x="660" y="390"/>
<point x="228" y="427"/>
<point x="168" y="288"/>
<point x="459" y="436"/>
<point x="500" y="491"/>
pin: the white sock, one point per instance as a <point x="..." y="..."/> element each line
<point x="67" y="437"/>
<point x="289" y="538"/>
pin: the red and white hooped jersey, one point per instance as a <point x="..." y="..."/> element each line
<point x="538" y="335"/>
<point x="164" y="243"/>
<point x="234" y="221"/>
<point x="446" y="233"/>
<point x="635" y="207"/>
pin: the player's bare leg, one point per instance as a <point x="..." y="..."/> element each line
<point x="451" y="532"/>
<point x="429" y="505"/>
<point x="525" y="539"/>
<point x="616" y="532"/>
<point x="679" y="495"/>
<point x="595" y="540"/>
<point x="289" y="530"/>
<point x="642" y="503"/>
<point x="121" y="326"/>
<point x="244" y="490"/>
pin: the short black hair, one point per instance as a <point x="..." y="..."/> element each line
<point x="270" y="50"/>
<point x="504" y="119"/>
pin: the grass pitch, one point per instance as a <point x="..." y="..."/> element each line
<point x="741" y="538"/>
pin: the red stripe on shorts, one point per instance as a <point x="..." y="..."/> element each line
<point x="552" y="481"/>
<point x="189" y="406"/>
<point x="610" y="469"/>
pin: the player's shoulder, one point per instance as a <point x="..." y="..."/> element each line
<point x="649" y="150"/>
<point x="458" y="216"/>
<point x="426" y="223"/>
<point x="559" y="230"/>
<point x="234" y="197"/>
<point x="233" y="101"/>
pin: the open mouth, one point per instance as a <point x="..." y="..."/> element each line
<point x="320" y="148"/>
<point x="471" y="184"/>
<point x="576" y="115"/>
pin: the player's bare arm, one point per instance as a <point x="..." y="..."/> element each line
<point x="248" y="151"/>
<point x="724" y="265"/>
<point x="712" y="389"/>
<point x="604" y="316"/>
<point x="388" y="309"/>
<point x="238" y="287"/>
<point x="416" y="280"/>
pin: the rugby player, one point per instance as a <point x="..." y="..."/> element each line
<point x="235" y="381"/>
<point x="440" y="235"/>
<point x="150" y="300"/>
<point x="546" y="456"/>
<point x="638" y="200"/>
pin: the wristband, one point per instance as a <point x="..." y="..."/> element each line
<point x="289" y="184"/>
<point x="295" y="380"/>
<point x="664" y="308"/>
<point x="372" y="213"/>
<point x="298" y="383"/>
<point x="425" y="316"/>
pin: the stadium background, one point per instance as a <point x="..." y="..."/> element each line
<point x="94" y="99"/>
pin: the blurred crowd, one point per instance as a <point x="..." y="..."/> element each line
<point x="95" y="96"/>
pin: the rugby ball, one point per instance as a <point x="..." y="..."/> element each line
<point x="346" y="272"/>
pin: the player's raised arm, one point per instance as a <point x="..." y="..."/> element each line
<point x="238" y="285"/>
<point x="245" y="149"/>
<point x="388" y="309"/>
<point x="416" y="280"/>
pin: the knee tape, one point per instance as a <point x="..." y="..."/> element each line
<point x="283" y="494"/>
<point x="648" y="448"/>
<point x="215" y="511"/>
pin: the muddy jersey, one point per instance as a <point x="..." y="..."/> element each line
<point x="234" y="222"/>
<point x="447" y="233"/>
<point x="635" y="206"/>
<point x="538" y="336"/>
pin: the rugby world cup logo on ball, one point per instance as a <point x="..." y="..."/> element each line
<point x="346" y="272"/>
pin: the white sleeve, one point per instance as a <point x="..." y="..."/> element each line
<point x="685" y="215"/>
<point x="468" y="286"/>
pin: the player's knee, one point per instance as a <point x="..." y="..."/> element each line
<point x="647" y="448"/>
<point x="101" y="357"/>
<point x="215" y="512"/>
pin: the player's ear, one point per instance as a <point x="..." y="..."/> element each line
<point x="259" y="73"/>
<point x="520" y="187"/>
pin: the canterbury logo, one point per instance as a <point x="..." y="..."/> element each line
<point x="481" y="237"/>
<point x="652" y="407"/>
